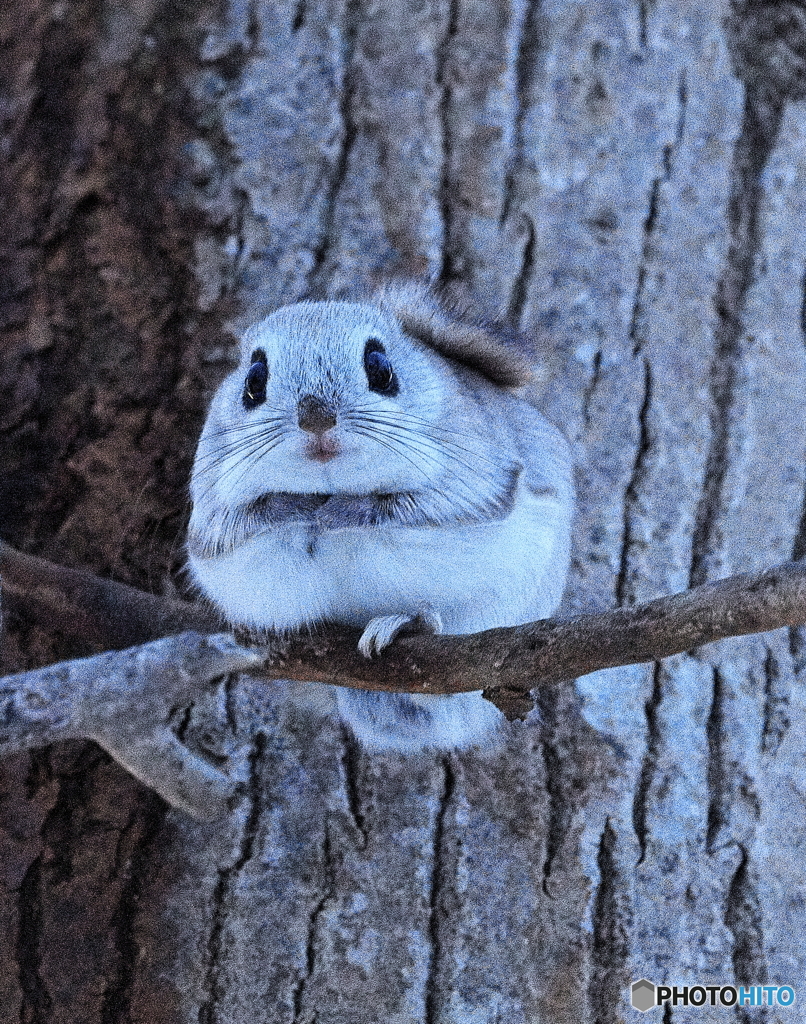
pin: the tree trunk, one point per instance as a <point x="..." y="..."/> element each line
<point x="626" y="181"/>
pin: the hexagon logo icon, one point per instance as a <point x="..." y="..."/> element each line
<point x="642" y="995"/>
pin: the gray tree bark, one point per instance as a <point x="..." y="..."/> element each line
<point x="627" y="182"/>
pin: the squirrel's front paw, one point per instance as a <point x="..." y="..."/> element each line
<point x="381" y="631"/>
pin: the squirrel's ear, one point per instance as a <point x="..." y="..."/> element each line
<point x="498" y="354"/>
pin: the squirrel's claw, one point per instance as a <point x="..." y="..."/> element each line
<point x="382" y="630"/>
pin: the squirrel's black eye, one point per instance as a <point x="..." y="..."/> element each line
<point x="378" y="367"/>
<point x="254" y="388"/>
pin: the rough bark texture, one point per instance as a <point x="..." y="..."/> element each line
<point x="627" y="181"/>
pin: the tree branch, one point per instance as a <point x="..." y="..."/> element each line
<point x="102" y="614"/>
<point x="124" y="700"/>
<point x="506" y="663"/>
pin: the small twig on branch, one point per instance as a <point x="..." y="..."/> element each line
<point x="506" y="663"/>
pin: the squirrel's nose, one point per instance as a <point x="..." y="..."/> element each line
<point x="314" y="415"/>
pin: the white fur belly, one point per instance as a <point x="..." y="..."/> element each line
<point x="477" y="577"/>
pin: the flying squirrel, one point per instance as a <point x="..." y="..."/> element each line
<point x="370" y="464"/>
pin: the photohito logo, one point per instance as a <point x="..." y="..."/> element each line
<point x="644" y="995"/>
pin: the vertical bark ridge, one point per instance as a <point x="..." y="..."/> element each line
<point x="138" y="841"/>
<point x="670" y="150"/>
<point x="434" y="993"/>
<point x="558" y="813"/>
<point x="649" y="763"/>
<point x="743" y="918"/>
<point x="519" y="294"/>
<point x="328" y="889"/>
<point x="766" y="42"/>
<point x="523" y="60"/>
<point x="37" y="1002"/>
<point x="299" y="16"/>
<point x="760" y="123"/>
<point x="214" y="986"/>
<point x="350" y="762"/>
<point x="643" y="23"/>
<point x="443" y="80"/>
<point x="632" y="496"/>
<point x="610" y="945"/>
<point x="799" y="545"/>
<point x="633" y="513"/>
<point x="715" y="773"/>
<point x="776" y="721"/>
<point x="317" y="283"/>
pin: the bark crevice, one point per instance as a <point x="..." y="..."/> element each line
<point x="649" y="763"/>
<point x="434" y="993"/>
<point x="609" y="945"/>
<point x="715" y="771"/>
<point x="327" y="892"/>
<point x="558" y="817"/>
<point x="341" y="165"/>
<point x="444" y="85"/>
<point x="760" y="125"/>
<point x="520" y="286"/>
<point x="214" y="986"/>
<point x="776" y="721"/>
<point x="350" y="764"/>
<point x="744" y="920"/>
<point x="37" y="1003"/>
<point x="143" y="827"/>
<point x="625" y="594"/>
<point x="524" y="48"/>
<point x="647" y="258"/>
